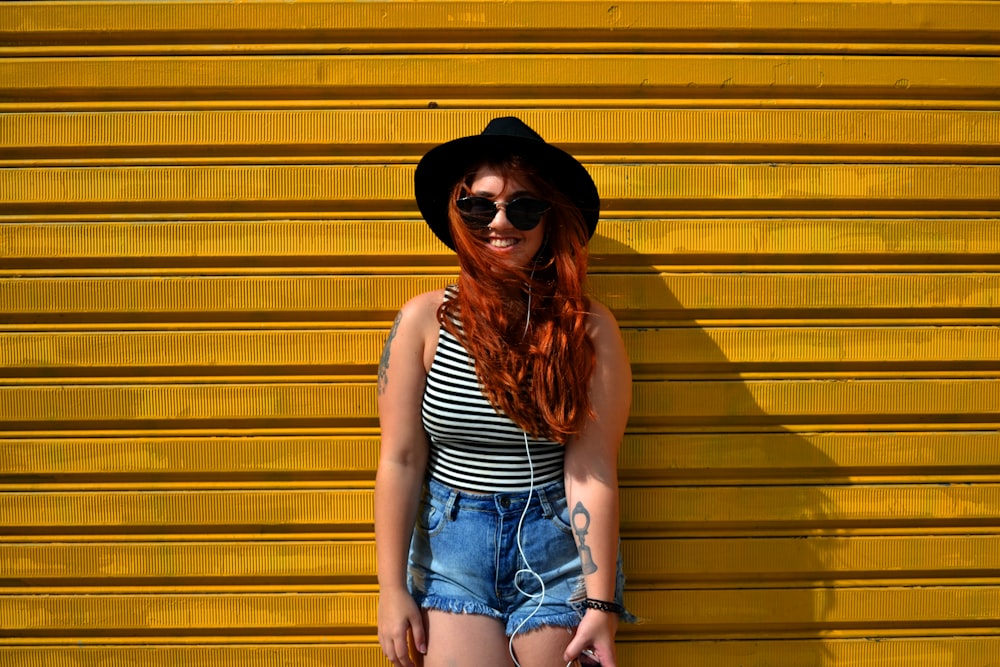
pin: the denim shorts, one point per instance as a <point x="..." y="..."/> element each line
<point x="464" y="557"/>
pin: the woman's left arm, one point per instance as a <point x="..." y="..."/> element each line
<point x="592" y="484"/>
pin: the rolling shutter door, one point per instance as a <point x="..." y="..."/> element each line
<point x="207" y="226"/>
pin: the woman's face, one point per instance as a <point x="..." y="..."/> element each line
<point x="501" y="237"/>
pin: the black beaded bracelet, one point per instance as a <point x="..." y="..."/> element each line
<point x="601" y="605"/>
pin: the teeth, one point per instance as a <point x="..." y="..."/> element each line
<point x="502" y="243"/>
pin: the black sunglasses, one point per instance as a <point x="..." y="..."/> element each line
<point x="524" y="212"/>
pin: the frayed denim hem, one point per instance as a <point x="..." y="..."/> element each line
<point x="437" y="603"/>
<point x="627" y="617"/>
<point x="568" y="620"/>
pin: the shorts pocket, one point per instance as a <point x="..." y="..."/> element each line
<point x="430" y="517"/>
<point x="560" y="515"/>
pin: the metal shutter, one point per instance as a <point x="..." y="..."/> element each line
<point x="207" y="225"/>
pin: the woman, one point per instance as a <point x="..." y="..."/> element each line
<point x="502" y="400"/>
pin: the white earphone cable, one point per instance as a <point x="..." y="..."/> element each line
<point x="526" y="570"/>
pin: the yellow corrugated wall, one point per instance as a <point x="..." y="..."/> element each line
<point x="207" y="225"/>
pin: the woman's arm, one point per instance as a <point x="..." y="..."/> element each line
<point x="592" y="484"/>
<point x="402" y="463"/>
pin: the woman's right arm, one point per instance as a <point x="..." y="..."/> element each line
<point x="402" y="463"/>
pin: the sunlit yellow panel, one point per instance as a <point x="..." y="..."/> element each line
<point x="769" y="402"/>
<point x="260" y="405"/>
<point x="968" y="610"/>
<point x="181" y="511"/>
<point x="790" y="457"/>
<point x="344" y="456"/>
<point x="807" y="562"/>
<point x="261" y="563"/>
<point x="181" y="614"/>
<point x="317" y="244"/>
<point x="681" y="511"/>
<point x="726" y="349"/>
<point x="205" y="352"/>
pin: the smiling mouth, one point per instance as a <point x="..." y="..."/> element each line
<point x="502" y="242"/>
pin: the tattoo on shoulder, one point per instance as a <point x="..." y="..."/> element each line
<point x="383" y="364"/>
<point x="580" y="518"/>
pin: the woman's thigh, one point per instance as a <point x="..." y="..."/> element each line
<point x="465" y="640"/>
<point x="543" y="647"/>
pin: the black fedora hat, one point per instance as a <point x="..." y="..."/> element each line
<point x="445" y="165"/>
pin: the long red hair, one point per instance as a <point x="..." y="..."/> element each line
<point x="534" y="368"/>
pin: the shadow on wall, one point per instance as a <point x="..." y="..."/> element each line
<point x="729" y="530"/>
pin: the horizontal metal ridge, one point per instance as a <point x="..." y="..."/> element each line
<point x="387" y="191"/>
<point x="962" y="610"/>
<point x="874" y="650"/>
<point x="665" y="296"/>
<point x="338" y="21"/>
<point x="235" y="353"/>
<point x="158" y="461"/>
<point x="386" y="245"/>
<point x="646" y="511"/>
<point x="576" y="80"/>
<point x="768" y="403"/>
<point x="406" y="134"/>
<point x="104" y="567"/>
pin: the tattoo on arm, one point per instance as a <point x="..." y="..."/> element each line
<point x="580" y="519"/>
<point x="383" y="364"/>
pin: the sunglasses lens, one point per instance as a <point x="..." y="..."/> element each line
<point x="477" y="211"/>
<point x="525" y="213"/>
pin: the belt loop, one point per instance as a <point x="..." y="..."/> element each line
<point x="544" y="501"/>
<point x="451" y="507"/>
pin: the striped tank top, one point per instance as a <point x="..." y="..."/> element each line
<point x="473" y="446"/>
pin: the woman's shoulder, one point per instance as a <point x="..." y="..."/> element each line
<point x="427" y="300"/>
<point x="420" y="312"/>
<point x="600" y="318"/>
<point x="604" y="332"/>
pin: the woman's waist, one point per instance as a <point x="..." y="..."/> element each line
<point x="500" y="498"/>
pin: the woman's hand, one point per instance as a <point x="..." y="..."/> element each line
<point x="398" y="619"/>
<point x="597" y="633"/>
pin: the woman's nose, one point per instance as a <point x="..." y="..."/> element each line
<point x="500" y="219"/>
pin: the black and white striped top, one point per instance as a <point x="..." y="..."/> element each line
<point x="473" y="446"/>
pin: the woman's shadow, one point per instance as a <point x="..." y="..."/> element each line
<point x="729" y="530"/>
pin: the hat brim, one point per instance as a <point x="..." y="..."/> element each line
<point x="445" y="165"/>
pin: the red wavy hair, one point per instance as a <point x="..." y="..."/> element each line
<point x="537" y="373"/>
